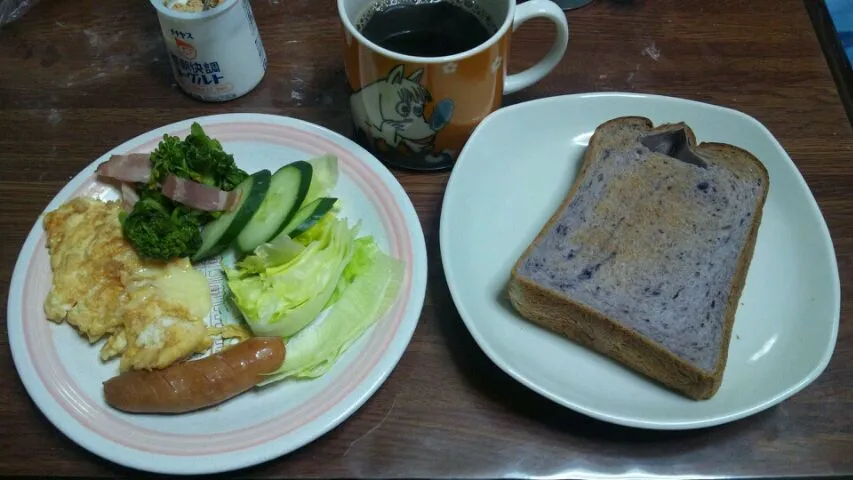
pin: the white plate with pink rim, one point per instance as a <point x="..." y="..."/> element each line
<point x="63" y="375"/>
<point x="521" y="161"/>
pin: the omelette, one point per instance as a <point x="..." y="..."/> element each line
<point x="150" y="313"/>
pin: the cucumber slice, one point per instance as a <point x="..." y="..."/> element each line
<point x="217" y="235"/>
<point x="308" y="216"/>
<point x="286" y="193"/>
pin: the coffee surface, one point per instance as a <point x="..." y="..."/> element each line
<point x="426" y="29"/>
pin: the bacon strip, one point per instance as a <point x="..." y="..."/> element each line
<point x="199" y="196"/>
<point x="135" y="167"/>
<point x="128" y="196"/>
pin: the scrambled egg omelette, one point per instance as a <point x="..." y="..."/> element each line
<point x="151" y="313"/>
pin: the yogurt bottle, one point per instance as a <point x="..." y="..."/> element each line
<point x="216" y="54"/>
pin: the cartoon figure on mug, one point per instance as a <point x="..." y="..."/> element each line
<point x="390" y="114"/>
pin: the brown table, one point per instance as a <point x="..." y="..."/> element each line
<point x="74" y="84"/>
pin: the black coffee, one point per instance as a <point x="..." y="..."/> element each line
<point x="426" y="28"/>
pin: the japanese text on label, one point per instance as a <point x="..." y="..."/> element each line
<point x="198" y="73"/>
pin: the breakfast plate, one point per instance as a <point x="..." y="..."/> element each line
<point x="62" y="373"/>
<point x="514" y="172"/>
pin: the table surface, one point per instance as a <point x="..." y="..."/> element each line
<point x="78" y="78"/>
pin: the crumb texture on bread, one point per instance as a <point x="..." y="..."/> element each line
<point x="652" y="242"/>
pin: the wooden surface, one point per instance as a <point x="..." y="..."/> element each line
<point x="74" y="84"/>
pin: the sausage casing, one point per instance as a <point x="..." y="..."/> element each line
<point x="188" y="386"/>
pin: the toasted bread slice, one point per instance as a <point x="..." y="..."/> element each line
<point x="646" y="258"/>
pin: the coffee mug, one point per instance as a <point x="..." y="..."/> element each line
<point x="423" y="73"/>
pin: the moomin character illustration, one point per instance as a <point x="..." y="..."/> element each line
<point x="391" y="112"/>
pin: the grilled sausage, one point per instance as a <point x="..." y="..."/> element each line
<point x="189" y="386"/>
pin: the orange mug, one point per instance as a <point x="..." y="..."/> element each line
<point x="416" y="95"/>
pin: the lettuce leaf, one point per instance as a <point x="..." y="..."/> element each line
<point x="324" y="177"/>
<point x="320" y="290"/>
<point x="372" y="287"/>
<point x="280" y="250"/>
<point x="365" y="251"/>
<point x="280" y="291"/>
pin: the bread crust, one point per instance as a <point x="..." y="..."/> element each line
<point x="577" y="322"/>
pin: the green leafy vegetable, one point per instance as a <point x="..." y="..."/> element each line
<point x="375" y="283"/>
<point x="282" y="298"/>
<point x="365" y="252"/>
<point x="159" y="230"/>
<point x="323" y="178"/>
<point x="277" y="252"/>
<point x="320" y="290"/>
<point x="197" y="157"/>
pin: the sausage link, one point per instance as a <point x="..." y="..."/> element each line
<point x="188" y="386"/>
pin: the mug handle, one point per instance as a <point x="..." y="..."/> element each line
<point x="524" y="12"/>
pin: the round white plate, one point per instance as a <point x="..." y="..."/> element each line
<point x="516" y="170"/>
<point x="63" y="375"/>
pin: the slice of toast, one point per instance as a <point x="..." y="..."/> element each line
<point x="646" y="258"/>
